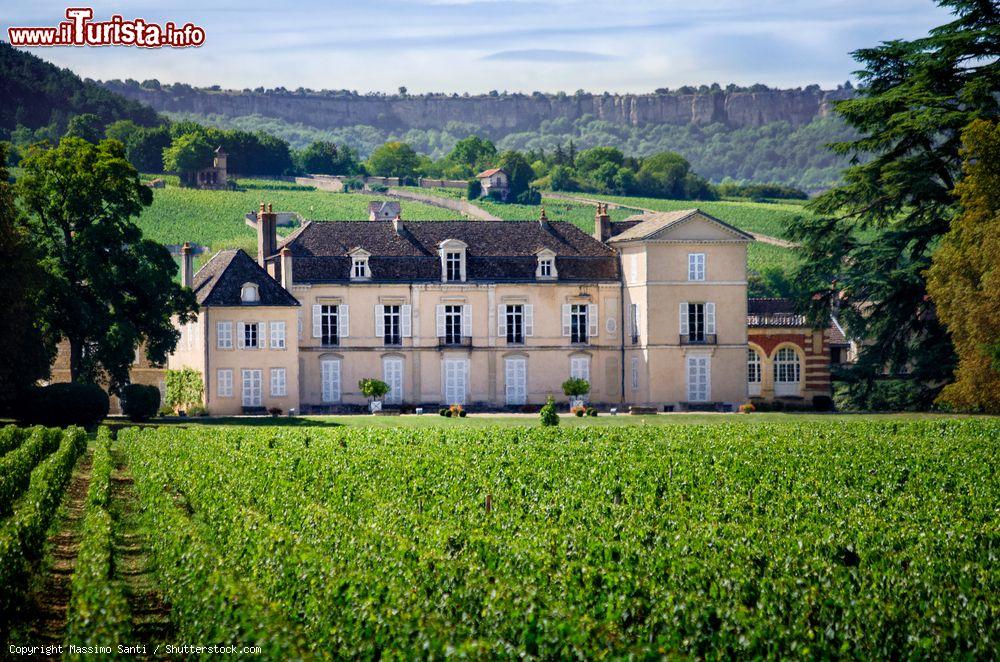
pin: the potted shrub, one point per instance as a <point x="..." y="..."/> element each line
<point x="456" y="411"/>
<point x="575" y="389"/>
<point x="374" y="390"/>
<point x="747" y="408"/>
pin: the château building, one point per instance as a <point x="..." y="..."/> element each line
<point x="651" y="311"/>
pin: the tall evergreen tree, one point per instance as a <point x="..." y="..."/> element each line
<point x="869" y="251"/>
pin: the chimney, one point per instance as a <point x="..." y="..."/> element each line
<point x="602" y="223"/>
<point x="286" y="268"/>
<point x="267" y="233"/>
<point x="543" y="220"/>
<point x="187" y="265"/>
<point x="397" y="226"/>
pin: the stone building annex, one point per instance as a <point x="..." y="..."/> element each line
<point x="652" y="311"/>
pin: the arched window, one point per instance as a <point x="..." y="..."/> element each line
<point x="787" y="370"/>
<point x="753" y="371"/>
<point x="249" y="293"/>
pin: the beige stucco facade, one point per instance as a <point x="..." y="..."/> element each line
<point x="670" y="333"/>
<point x="226" y="366"/>
<point x="657" y="281"/>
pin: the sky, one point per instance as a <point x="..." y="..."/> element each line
<point x="480" y="45"/>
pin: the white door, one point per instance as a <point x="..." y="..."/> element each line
<point x="330" y="378"/>
<point x="252" y="387"/>
<point x="392" y="371"/>
<point x="579" y="367"/>
<point x="698" y="374"/>
<point x="456" y="372"/>
<point x="516" y="374"/>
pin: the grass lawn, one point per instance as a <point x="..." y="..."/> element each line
<point x="433" y="420"/>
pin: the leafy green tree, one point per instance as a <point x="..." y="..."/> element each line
<point x="86" y="126"/>
<point x="107" y="290"/>
<point x="590" y="160"/>
<point x="122" y="131"/>
<point x="188" y="153"/>
<point x="473" y="153"/>
<point x="561" y="179"/>
<point x="518" y="171"/>
<point x="662" y="175"/>
<point x="964" y="278"/>
<point x="145" y="148"/>
<point x="26" y="351"/>
<point x="870" y="248"/>
<point x="326" y="158"/>
<point x="394" y="159"/>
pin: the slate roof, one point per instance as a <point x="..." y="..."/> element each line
<point x="646" y="225"/>
<point x="498" y="251"/>
<point x="773" y="311"/>
<point x="220" y="281"/>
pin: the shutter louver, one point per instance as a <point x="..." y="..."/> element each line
<point x="343" y="321"/>
<point x="529" y="320"/>
<point x="592" y="331"/>
<point x="710" y="318"/>
<point x="501" y="321"/>
<point x="439" y="309"/>
<point x="317" y="321"/>
<point x="406" y="320"/>
<point x="241" y="335"/>
<point x="466" y="320"/>
<point x="379" y="320"/>
<point x="684" y="318"/>
<point x="566" y="325"/>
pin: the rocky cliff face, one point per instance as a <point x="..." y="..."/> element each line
<point x="500" y="114"/>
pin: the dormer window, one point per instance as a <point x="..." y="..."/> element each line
<point x="546" y="268"/>
<point x="359" y="264"/>
<point x="250" y="293"/>
<point x="452" y="261"/>
<point x="453" y="266"/>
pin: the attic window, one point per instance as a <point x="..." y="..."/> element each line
<point x="546" y="268"/>
<point x="250" y="293"/>
<point x="359" y="268"/>
<point x="452" y="253"/>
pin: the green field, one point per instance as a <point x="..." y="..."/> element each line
<point x="216" y="218"/>
<point x="769" y="218"/>
<point x="843" y="537"/>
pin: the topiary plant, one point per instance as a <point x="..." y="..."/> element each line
<point x="549" y="416"/>
<point x="575" y="387"/>
<point x="140" y="402"/>
<point x="64" y="404"/>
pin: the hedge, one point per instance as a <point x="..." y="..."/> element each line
<point x="16" y="466"/>
<point x="23" y="534"/>
<point x="98" y="611"/>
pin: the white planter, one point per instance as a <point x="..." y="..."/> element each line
<point x="577" y="402"/>
<point x="375" y="405"/>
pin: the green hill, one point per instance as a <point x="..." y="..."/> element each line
<point x="36" y="94"/>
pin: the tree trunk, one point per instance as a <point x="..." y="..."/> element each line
<point x="75" y="358"/>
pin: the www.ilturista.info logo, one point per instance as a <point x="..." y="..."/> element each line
<point x="80" y="30"/>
